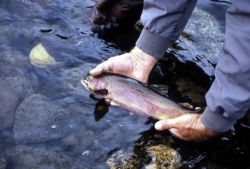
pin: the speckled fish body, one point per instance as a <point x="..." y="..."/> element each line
<point x="133" y="96"/>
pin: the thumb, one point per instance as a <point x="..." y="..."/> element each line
<point x="103" y="67"/>
<point x="165" y="124"/>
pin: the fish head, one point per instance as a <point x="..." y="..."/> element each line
<point x="96" y="85"/>
<point x="88" y="82"/>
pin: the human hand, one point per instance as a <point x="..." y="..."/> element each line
<point x="186" y="127"/>
<point x="135" y="64"/>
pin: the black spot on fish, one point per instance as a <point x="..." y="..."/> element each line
<point x="102" y="92"/>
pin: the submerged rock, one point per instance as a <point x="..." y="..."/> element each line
<point x="20" y="85"/>
<point x="3" y="163"/>
<point x="163" y="157"/>
<point x="28" y="157"/>
<point x="123" y="159"/>
<point x="192" y="92"/>
<point x="80" y="140"/>
<point x="39" y="119"/>
<point x="155" y="157"/>
<point x="113" y="15"/>
<point x="150" y="151"/>
<point x="8" y="104"/>
<point x="201" y="42"/>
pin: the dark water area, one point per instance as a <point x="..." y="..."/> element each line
<point x="48" y="120"/>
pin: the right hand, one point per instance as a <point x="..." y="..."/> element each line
<point x="135" y="64"/>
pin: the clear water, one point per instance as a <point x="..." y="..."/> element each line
<point x="85" y="132"/>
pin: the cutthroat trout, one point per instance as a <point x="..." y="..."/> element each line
<point x="133" y="96"/>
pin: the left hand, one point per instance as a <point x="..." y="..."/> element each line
<point x="187" y="127"/>
<point x="136" y="64"/>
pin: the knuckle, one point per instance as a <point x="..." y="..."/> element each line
<point x="112" y="59"/>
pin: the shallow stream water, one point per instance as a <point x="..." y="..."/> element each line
<point x="48" y="120"/>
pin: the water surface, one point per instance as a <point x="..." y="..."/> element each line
<point x="50" y="121"/>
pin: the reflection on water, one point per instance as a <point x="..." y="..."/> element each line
<point x="47" y="120"/>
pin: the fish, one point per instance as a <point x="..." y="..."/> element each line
<point x="133" y="96"/>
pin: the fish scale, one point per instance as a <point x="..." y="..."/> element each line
<point x="133" y="96"/>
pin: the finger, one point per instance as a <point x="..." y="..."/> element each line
<point x="198" y="108"/>
<point x="112" y="103"/>
<point x="108" y="101"/>
<point x="103" y="67"/>
<point x="96" y="71"/>
<point x="165" y="124"/>
<point x="187" y="106"/>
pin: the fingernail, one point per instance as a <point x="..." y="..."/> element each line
<point x="158" y="125"/>
<point x="92" y="71"/>
<point x="197" y="108"/>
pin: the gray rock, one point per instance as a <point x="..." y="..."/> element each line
<point x="39" y="119"/>
<point x="14" y="71"/>
<point x="160" y="157"/>
<point x="6" y="138"/>
<point x="201" y="42"/>
<point x="21" y="85"/>
<point x="3" y="163"/>
<point x="163" y="157"/>
<point x="27" y="157"/>
<point x="11" y="57"/>
<point x="8" y="104"/>
<point x="124" y="159"/>
<point x="80" y="140"/>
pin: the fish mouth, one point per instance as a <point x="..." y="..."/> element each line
<point x="84" y="83"/>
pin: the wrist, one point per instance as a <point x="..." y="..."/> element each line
<point x="142" y="64"/>
<point x="153" y="43"/>
<point x="142" y="57"/>
<point x="209" y="131"/>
